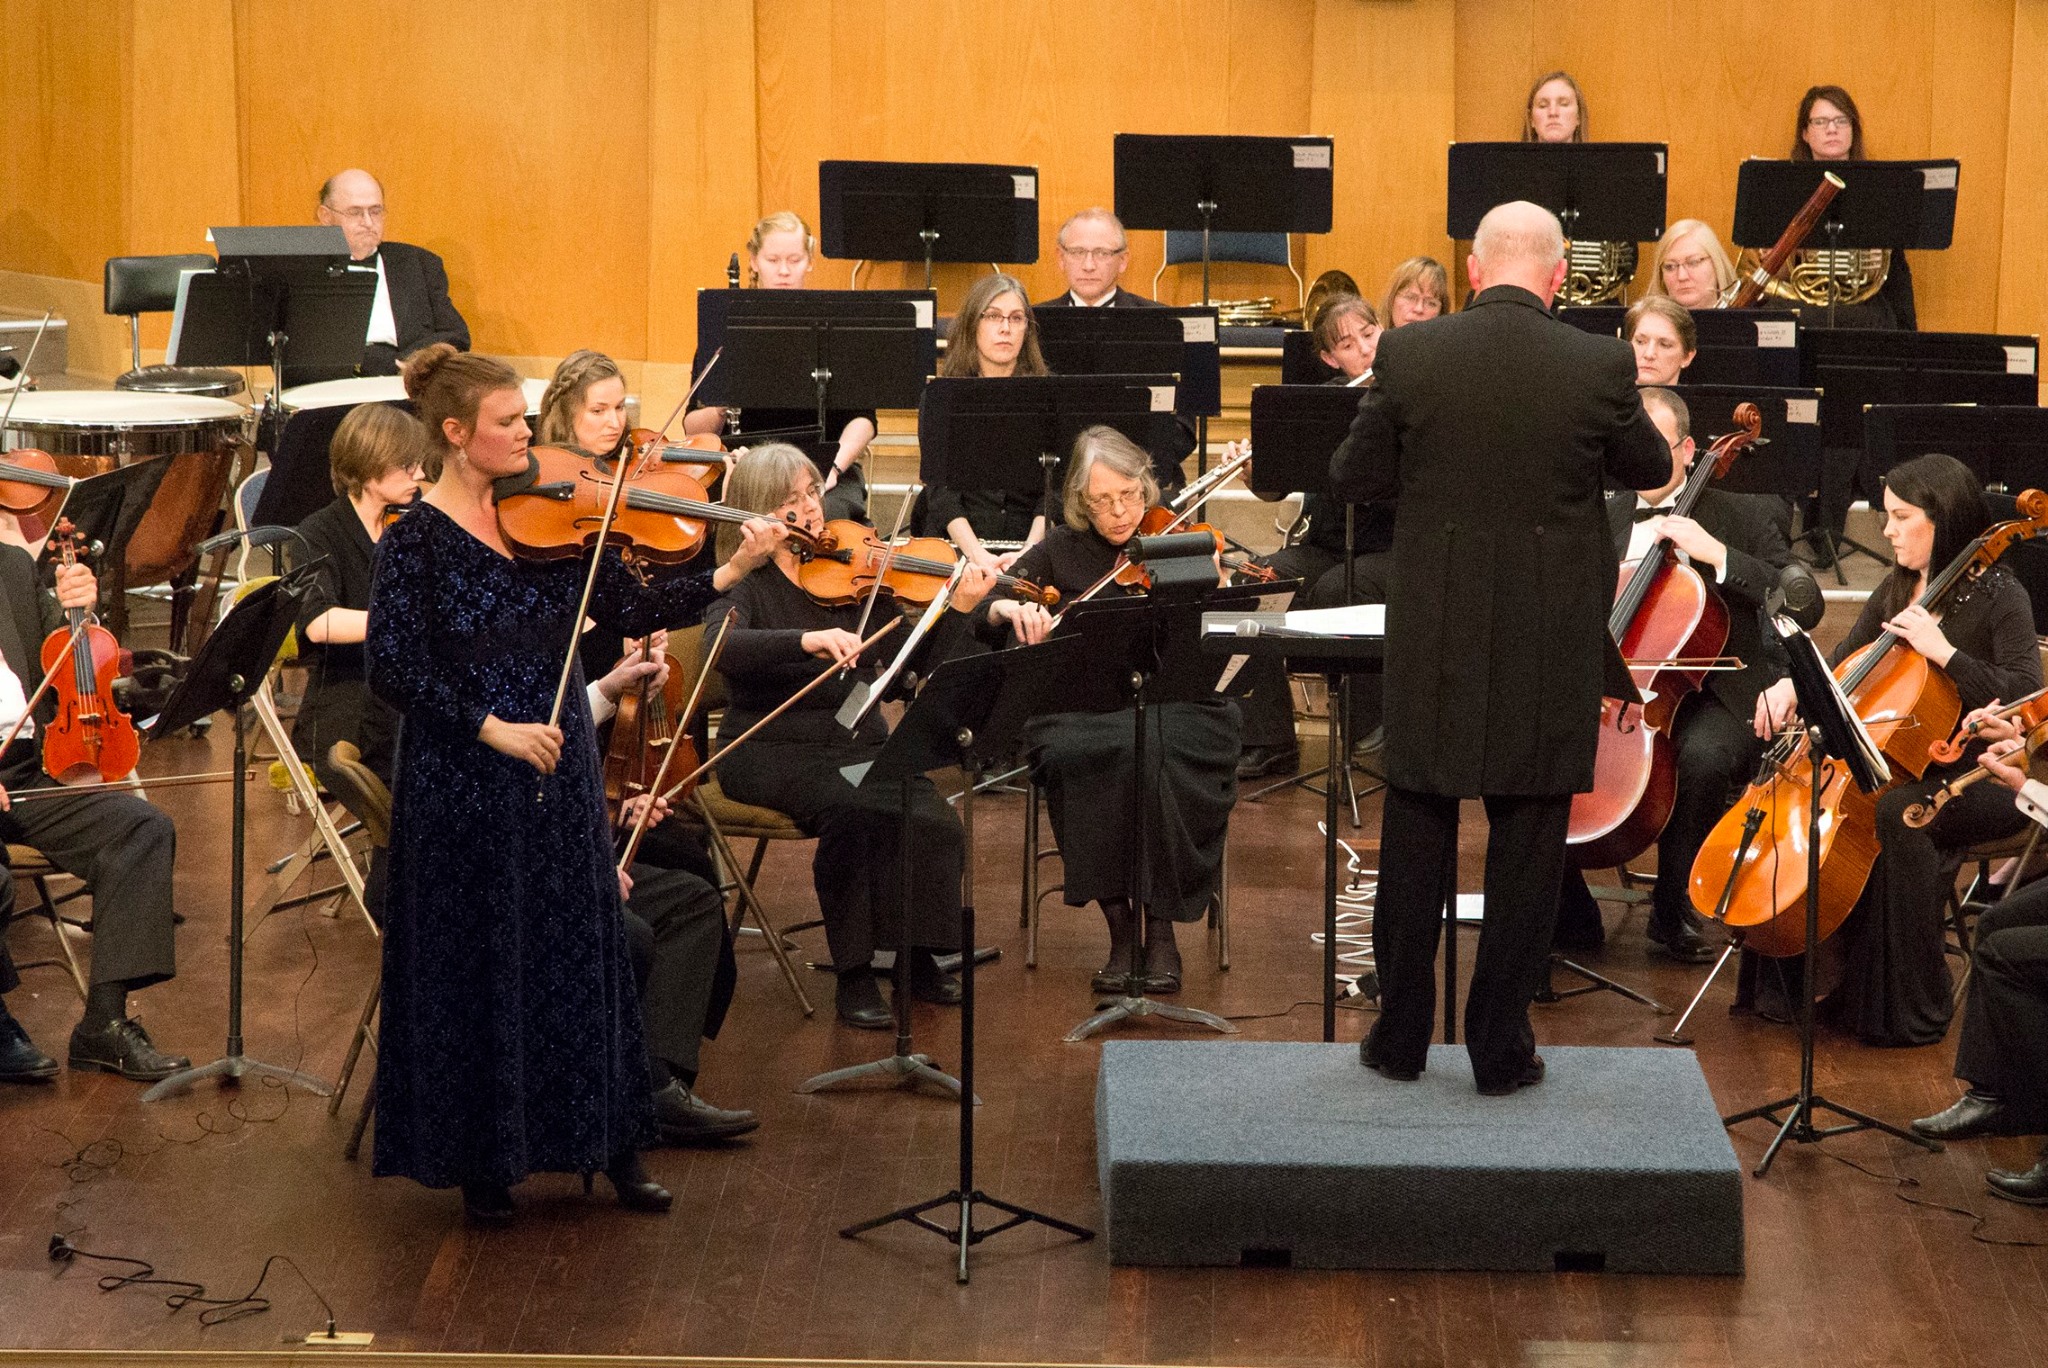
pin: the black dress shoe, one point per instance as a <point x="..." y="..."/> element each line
<point x="488" y="1204"/>
<point x="1371" y="1060"/>
<point x="123" y="1047"/>
<point x="860" y="1002"/>
<point x="929" y="983"/>
<point x="1259" y="761"/>
<point x="687" y="1119"/>
<point x="2030" y="1187"/>
<point x="637" y="1191"/>
<point x="1529" y="1077"/>
<point x="1686" y="944"/>
<point x="1967" y="1118"/>
<point x="20" y="1060"/>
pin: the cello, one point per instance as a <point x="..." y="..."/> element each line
<point x="1667" y="617"/>
<point x="1752" y="869"/>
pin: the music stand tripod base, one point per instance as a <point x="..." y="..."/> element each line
<point x="1594" y="983"/>
<point x="898" y="1070"/>
<point x="230" y="1069"/>
<point x="1129" y="1008"/>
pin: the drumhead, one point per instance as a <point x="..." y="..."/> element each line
<point x="374" y="389"/>
<point x="117" y="409"/>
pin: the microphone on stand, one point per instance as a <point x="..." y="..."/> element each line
<point x="1797" y="596"/>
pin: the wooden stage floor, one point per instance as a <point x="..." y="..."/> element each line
<point x="750" y="1262"/>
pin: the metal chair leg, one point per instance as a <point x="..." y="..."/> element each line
<point x="749" y="903"/>
<point x="355" y="1046"/>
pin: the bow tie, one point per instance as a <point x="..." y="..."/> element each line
<point x="1661" y="511"/>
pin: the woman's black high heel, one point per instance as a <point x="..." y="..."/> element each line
<point x="488" y="1203"/>
<point x="637" y="1191"/>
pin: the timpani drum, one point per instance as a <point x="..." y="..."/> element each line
<point x="90" y="432"/>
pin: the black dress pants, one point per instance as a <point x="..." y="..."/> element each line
<point x="675" y="932"/>
<point x="124" y="850"/>
<point x="1418" y="869"/>
<point x="1370" y="576"/>
<point x="2003" y="1047"/>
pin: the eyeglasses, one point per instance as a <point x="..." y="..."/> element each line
<point x="1005" y="320"/>
<point x="1687" y="266"/>
<point x="1093" y="254"/>
<point x="367" y="213"/>
<point x="1824" y="123"/>
<point x="1110" y="503"/>
<point x="1418" y="299"/>
<point x="798" y="499"/>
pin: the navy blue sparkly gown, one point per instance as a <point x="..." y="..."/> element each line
<point x="511" y="1040"/>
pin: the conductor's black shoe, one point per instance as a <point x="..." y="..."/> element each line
<point x="637" y="1191"/>
<point x="684" y="1118"/>
<point x="860" y="1002"/>
<point x="1529" y="1077"/>
<point x="488" y="1204"/>
<point x="929" y="983"/>
<point x="123" y="1047"/>
<point x="20" y="1060"/>
<point x="1370" y="1058"/>
<point x="1370" y="744"/>
<point x="1259" y="761"/>
<point x="1969" y="1117"/>
<point x="2030" y="1187"/>
<point x="1685" y="944"/>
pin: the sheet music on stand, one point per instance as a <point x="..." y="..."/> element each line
<point x="1356" y="620"/>
<point x="1841" y="727"/>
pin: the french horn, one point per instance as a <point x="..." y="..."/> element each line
<point x="1598" y="272"/>
<point x="1819" y="276"/>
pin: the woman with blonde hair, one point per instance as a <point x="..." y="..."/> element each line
<point x="1417" y="291"/>
<point x="1691" y="266"/>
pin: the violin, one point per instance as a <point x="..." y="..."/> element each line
<point x="648" y="724"/>
<point x="2029" y="714"/>
<point x="32" y="490"/>
<point x="851" y="556"/>
<point x="1663" y="611"/>
<point x="90" y="738"/>
<point x="1752" y="868"/>
<point x="555" y="509"/>
<point x="685" y="453"/>
<point x="1160" y="520"/>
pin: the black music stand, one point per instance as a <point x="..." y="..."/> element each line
<point x="1301" y="361"/>
<point x="2006" y="445"/>
<point x="819" y="349"/>
<point x="1834" y="732"/>
<point x="1176" y="340"/>
<point x="928" y="211"/>
<point x="223" y="677"/>
<point x="978" y="432"/>
<point x="970" y="714"/>
<point x="1149" y="650"/>
<point x="1225" y="183"/>
<point x="1296" y="429"/>
<point x="1737" y="346"/>
<point x="1895" y="205"/>
<point x="1600" y="191"/>
<point x="1787" y="461"/>
<point x="279" y="297"/>
<point x="106" y="508"/>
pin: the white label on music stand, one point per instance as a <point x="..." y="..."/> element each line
<point x="1026" y="187"/>
<point x="1200" y="328"/>
<point x="1777" y="333"/>
<point x="1660" y="161"/>
<point x="924" y="312"/>
<point x="1938" y="177"/>
<point x="1311" y="156"/>
<point x="1162" y="398"/>
<point x="2019" y="360"/>
<point x="1802" y="410"/>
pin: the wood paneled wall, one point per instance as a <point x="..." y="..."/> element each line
<point x="585" y="165"/>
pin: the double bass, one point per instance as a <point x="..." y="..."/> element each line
<point x="1752" y="869"/>
<point x="1667" y="616"/>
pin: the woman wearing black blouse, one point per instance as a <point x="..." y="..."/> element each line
<point x="1084" y="760"/>
<point x="777" y="639"/>
<point x="1894" y="980"/>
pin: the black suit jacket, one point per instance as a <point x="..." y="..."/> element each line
<point x="1494" y="429"/>
<point x="28" y="613"/>
<point x="1122" y="299"/>
<point x="1754" y="528"/>
<point x="419" y="306"/>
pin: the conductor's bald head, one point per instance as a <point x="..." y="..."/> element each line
<point x="1518" y="243"/>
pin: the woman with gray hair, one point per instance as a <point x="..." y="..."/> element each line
<point x="1085" y="760"/>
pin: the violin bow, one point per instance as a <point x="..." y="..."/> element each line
<point x="867" y="609"/>
<point x="695" y="385"/>
<point x="21" y="381"/>
<point x="129" y="785"/>
<point x="682" y="724"/>
<point x="604" y="532"/>
<point x="784" y="706"/>
<point x="29" y="709"/>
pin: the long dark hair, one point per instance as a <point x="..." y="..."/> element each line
<point x="1948" y="493"/>
<point x="1837" y="97"/>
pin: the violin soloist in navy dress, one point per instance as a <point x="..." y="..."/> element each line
<point x="511" y="1040"/>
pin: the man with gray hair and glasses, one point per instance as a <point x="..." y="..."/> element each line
<point x="1093" y="253"/>
<point x="412" y="309"/>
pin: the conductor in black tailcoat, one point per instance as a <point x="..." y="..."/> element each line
<point x="1493" y="430"/>
<point x="412" y="308"/>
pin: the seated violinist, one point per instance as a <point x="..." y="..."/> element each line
<point x="1093" y="252"/>
<point x="1885" y="972"/>
<point x="1084" y="760"/>
<point x="777" y="639"/>
<point x="121" y="846"/>
<point x="1738" y="544"/>
<point x="780" y="255"/>
<point x="1664" y="337"/>
<point x="1347" y="338"/>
